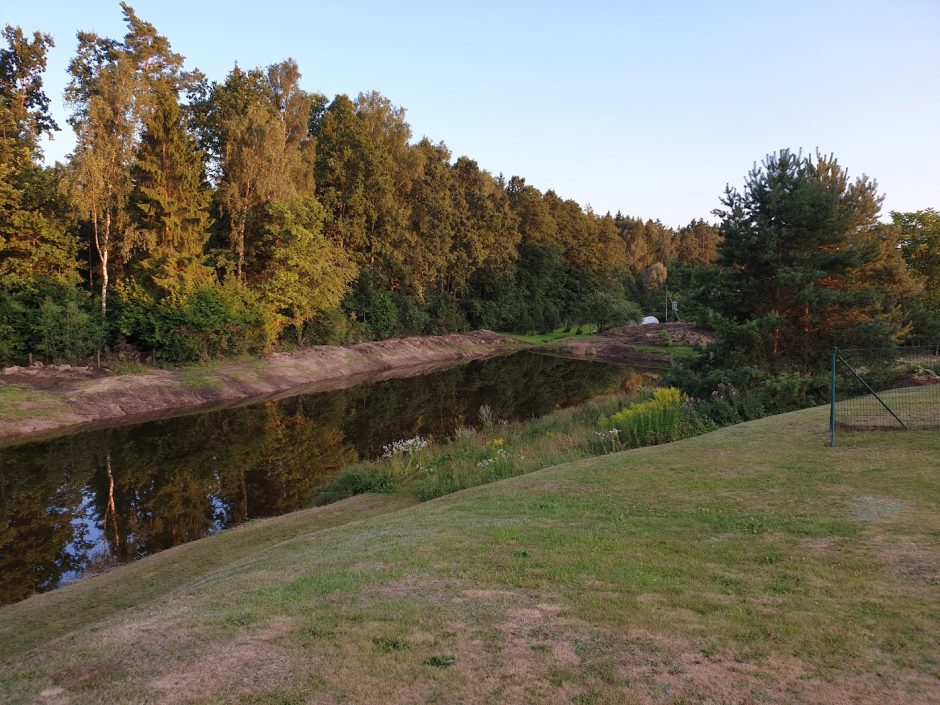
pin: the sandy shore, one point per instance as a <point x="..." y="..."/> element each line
<point x="47" y="401"/>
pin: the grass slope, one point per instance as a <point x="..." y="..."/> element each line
<point x="558" y="334"/>
<point x="752" y="564"/>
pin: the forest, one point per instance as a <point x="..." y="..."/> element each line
<point x="198" y="219"/>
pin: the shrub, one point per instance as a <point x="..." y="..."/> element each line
<point x="333" y="327"/>
<point x="66" y="332"/>
<point x="793" y="390"/>
<point x="444" y="315"/>
<point x="355" y="480"/>
<point x="664" y="417"/>
<point x="727" y="405"/>
<point x="211" y="322"/>
<point x="55" y="320"/>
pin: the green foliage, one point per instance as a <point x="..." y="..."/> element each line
<point x="806" y="256"/>
<point x="301" y="274"/>
<point x="662" y="418"/>
<point x="51" y="319"/>
<point x="355" y="480"/>
<point x="210" y="323"/>
<point x="373" y="307"/>
<point x="919" y="236"/>
<point x="326" y="208"/>
<point x="66" y="332"/>
<point x="171" y="200"/>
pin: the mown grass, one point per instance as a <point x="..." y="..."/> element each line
<point x="740" y="566"/>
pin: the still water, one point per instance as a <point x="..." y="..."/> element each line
<point x="93" y="499"/>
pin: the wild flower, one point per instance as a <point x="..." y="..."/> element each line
<point x="499" y="455"/>
<point x="486" y="416"/>
<point x="725" y="391"/>
<point x="404" y="447"/>
<point x="402" y="456"/>
<point x="497" y="442"/>
<point x="658" y="419"/>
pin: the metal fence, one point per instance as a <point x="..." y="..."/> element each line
<point x="885" y="389"/>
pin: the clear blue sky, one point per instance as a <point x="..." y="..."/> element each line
<point x="650" y="108"/>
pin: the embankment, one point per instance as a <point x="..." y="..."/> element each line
<point x="641" y="345"/>
<point x="44" y="401"/>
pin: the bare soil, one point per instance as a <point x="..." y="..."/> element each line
<point x="637" y="344"/>
<point x="41" y="401"/>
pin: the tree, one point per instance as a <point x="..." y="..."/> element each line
<point x="919" y="235"/>
<point x="797" y="242"/>
<point x="434" y="218"/>
<point x="487" y="235"/>
<point x="171" y="199"/>
<point x="112" y="88"/>
<point x="304" y="274"/>
<point x="251" y="127"/>
<point x="35" y="241"/>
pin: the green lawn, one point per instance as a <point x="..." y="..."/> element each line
<point x="557" y="334"/>
<point x="752" y="564"/>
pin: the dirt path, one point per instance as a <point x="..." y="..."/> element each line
<point x="44" y="401"/>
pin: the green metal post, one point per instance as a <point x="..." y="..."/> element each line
<point x="832" y="401"/>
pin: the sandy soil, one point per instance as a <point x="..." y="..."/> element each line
<point x="632" y="344"/>
<point x="40" y="401"/>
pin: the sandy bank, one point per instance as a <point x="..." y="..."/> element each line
<point x="40" y="402"/>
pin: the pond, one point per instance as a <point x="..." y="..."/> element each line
<point x="87" y="501"/>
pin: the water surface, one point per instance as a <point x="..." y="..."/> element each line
<point x="93" y="499"/>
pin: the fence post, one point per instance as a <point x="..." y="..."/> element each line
<point x="832" y="401"/>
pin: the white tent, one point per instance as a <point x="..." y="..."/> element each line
<point x="649" y="319"/>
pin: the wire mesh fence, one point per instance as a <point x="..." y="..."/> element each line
<point x="885" y="389"/>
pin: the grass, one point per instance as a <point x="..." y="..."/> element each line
<point x="555" y="335"/>
<point x="199" y="378"/>
<point x="120" y="367"/>
<point x="751" y="564"/>
<point x="494" y="451"/>
<point x="17" y="402"/>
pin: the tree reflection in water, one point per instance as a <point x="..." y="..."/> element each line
<point x="87" y="501"/>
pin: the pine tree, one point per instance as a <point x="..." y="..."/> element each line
<point x="171" y="199"/>
<point x="798" y="244"/>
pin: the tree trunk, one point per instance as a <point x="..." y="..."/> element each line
<point x="104" y="251"/>
<point x="111" y="509"/>
<point x="240" y="246"/>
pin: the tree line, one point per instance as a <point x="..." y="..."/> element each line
<point x="197" y="219"/>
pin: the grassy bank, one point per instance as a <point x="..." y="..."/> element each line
<point x="750" y="564"/>
<point x="556" y="335"/>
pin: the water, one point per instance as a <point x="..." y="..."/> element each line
<point x="87" y="501"/>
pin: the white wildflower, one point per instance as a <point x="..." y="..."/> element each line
<point x="404" y="447"/>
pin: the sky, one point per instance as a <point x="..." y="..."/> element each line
<point x="649" y="108"/>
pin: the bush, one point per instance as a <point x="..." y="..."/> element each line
<point x="412" y="317"/>
<point x="333" y="327"/>
<point x="727" y="406"/>
<point x="793" y="390"/>
<point x="209" y="323"/>
<point x="67" y="332"/>
<point x="352" y="481"/>
<point x="444" y="315"/>
<point x="54" y="320"/>
<point x="663" y="418"/>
